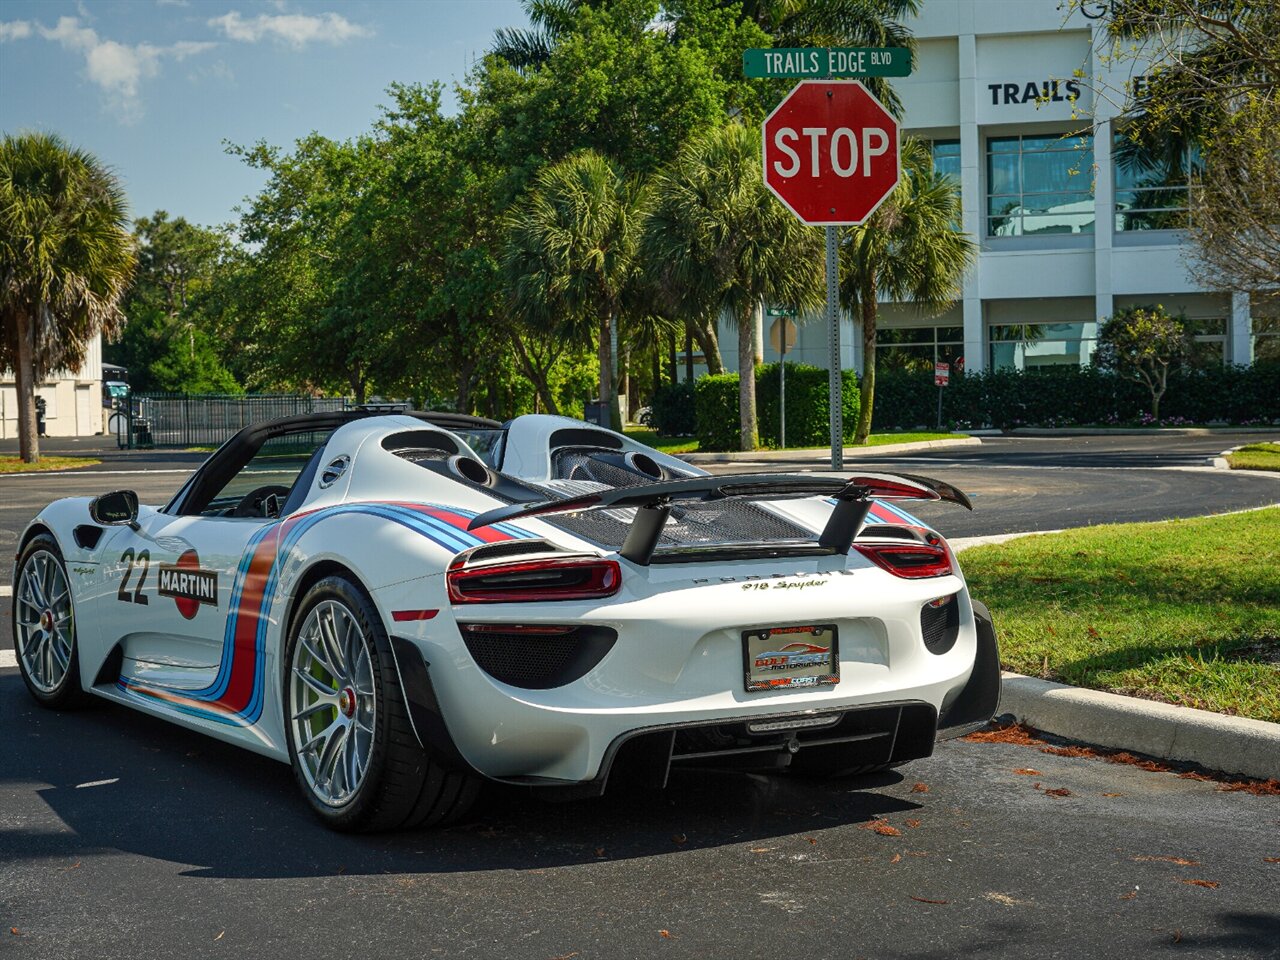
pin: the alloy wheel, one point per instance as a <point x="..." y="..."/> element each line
<point x="45" y="621"/>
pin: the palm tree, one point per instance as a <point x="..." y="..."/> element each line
<point x="571" y="253"/>
<point x="527" y="49"/>
<point x="909" y="251"/>
<point x="66" y="259"/>
<point x="718" y="241"/>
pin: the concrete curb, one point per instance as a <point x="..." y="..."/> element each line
<point x="820" y="455"/>
<point x="1236" y="745"/>
<point x="1220" y="461"/>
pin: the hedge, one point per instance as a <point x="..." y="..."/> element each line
<point x="1067" y="396"/>
<point x="671" y="413"/>
<point x="808" y="407"/>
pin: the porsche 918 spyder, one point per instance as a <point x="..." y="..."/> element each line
<point x="405" y="605"/>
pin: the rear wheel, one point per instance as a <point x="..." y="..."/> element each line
<point x="44" y="626"/>
<point x="351" y="744"/>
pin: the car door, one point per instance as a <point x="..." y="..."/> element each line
<point x="189" y="578"/>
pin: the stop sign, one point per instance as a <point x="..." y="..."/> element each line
<point x="831" y="152"/>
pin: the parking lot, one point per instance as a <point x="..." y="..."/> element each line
<point x="121" y="835"/>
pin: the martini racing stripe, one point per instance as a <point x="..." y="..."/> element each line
<point x="237" y="692"/>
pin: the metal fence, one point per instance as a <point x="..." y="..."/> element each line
<point x="203" y="420"/>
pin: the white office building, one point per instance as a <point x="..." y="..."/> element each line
<point x="1003" y="90"/>
<point x="72" y="399"/>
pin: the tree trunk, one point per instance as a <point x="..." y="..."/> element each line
<point x="657" y="369"/>
<point x="25" y="381"/>
<point x="705" y="332"/>
<point x="747" y="379"/>
<point x="465" y="369"/>
<point x="605" y="356"/>
<point x="867" y="391"/>
<point x="537" y="376"/>
<point x="675" y="368"/>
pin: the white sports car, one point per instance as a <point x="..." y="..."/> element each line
<point x="405" y="605"/>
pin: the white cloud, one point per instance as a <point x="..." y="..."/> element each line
<point x="14" y="30"/>
<point x="293" y="29"/>
<point x="118" y="68"/>
<point x="173" y="3"/>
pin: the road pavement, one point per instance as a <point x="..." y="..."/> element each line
<point x="124" y="836"/>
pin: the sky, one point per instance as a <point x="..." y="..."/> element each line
<point x="153" y="88"/>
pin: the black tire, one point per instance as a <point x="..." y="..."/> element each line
<point x="403" y="786"/>
<point x="67" y="694"/>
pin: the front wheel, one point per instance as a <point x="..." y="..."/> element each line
<point x="44" y="626"/>
<point x="351" y="743"/>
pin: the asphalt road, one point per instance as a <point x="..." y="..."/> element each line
<point x="123" y="836"/>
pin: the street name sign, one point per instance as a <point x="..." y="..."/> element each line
<point x="781" y="311"/>
<point x="831" y="152"/>
<point x="810" y="62"/>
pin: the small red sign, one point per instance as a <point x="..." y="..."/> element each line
<point x="941" y="374"/>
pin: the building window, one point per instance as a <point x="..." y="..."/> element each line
<point x="1041" y="347"/>
<point x="1266" y="339"/>
<point x="1152" y="195"/>
<point x="1039" y="185"/>
<point x="946" y="158"/>
<point x="1208" y="341"/>
<point x="916" y="349"/>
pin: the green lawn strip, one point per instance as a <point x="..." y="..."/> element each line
<point x="1187" y="612"/>
<point x="1256" y="456"/>
<point x="15" y="464"/>
<point x="690" y="444"/>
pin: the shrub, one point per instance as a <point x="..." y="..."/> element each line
<point x="672" y="411"/>
<point x="715" y="401"/>
<point x="808" y="407"/>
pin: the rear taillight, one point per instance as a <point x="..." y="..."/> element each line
<point x="914" y="561"/>
<point x="531" y="581"/>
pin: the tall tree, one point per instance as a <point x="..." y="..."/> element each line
<point x="168" y="342"/>
<point x="571" y="253"/>
<point x="909" y="251"/>
<point x="66" y="259"/>
<point x="718" y="241"/>
<point x="1211" y="80"/>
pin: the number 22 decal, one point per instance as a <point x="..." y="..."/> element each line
<point x="143" y="560"/>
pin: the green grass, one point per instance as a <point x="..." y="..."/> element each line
<point x="15" y="464"/>
<point x="1187" y="612"/>
<point x="690" y="444"/>
<point x="1256" y="456"/>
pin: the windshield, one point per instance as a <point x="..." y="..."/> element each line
<point x="486" y="444"/>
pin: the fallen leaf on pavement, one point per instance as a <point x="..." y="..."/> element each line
<point x="1027" y="772"/>
<point x="1113" y="794"/>
<point x="1013" y="733"/>
<point x="679" y="838"/>
<point x="923" y="900"/>
<point x="1208" y="884"/>
<point x="599" y="851"/>
<point x="1177" y="936"/>
<point x="882" y="827"/>
<point x="1180" y="861"/>
<point x="14" y="931"/>
<point x="762" y="849"/>
<point x="219" y="936"/>
<point x="566" y="956"/>
<point x="913" y="824"/>
<point x="1007" y="900"/>
<point x="665" y="934"/>
<point x="1271" y="859"/>
<point x="1129" y="896"/>
<point x="812" y="840"/>
<point x="1058" y="792"/>
<point x="897" y="858"/>
<point x="920" y="788"/>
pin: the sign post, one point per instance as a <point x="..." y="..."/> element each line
<point x="782" y="338"/>
<point x="831" y="156"/>
<point x="941" y="377"/>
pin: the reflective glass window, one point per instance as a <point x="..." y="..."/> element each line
<point x="1039" y="184"/>
<point x="1151" y="193"/>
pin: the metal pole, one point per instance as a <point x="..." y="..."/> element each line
<point x="833" y="323"/>
<point x="782" y="389"/>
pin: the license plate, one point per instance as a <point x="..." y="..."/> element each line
<point x="782" y="657"/>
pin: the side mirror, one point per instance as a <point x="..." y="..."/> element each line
<point x="115" y="509"/>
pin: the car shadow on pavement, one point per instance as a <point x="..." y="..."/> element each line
<point x="123" y="782"/>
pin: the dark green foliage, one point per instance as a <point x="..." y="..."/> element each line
<point x="672" y="411"/>
<point x="1075" y="396"/>
<point x="808" y="407"/>
<point x="716" y="409"/>
<point x="808" y="404"/>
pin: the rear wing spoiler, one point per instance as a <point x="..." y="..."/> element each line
<point x="653" y="502"/>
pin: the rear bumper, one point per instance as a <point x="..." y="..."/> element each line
<point x="870" y="734"/>
<point x="979" y="701"/>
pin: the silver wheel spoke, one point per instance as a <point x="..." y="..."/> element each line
<point x="316" y="686"/>
<point x="45" y="621"/>
<point x="313" y="709"/>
